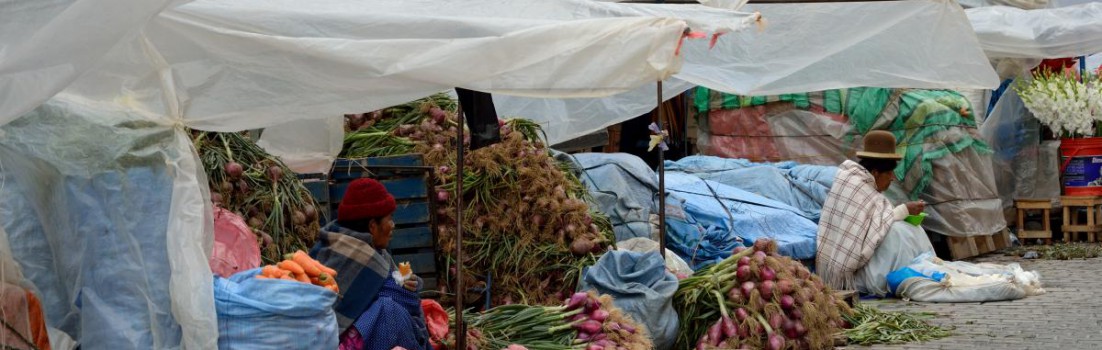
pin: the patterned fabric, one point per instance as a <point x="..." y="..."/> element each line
<point x="394" y="319"/>
<point x="854" y="221"/>
<point x="361" y="269"/>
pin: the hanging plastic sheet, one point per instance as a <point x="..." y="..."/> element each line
<point x="106" y="215"/>
<point x="1023" y="166"/>
<point x="800" y="48"/>
<point x="47" y="44"/>
<point x="1043" y="33"/>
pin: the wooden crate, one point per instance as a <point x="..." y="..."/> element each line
<point x="967" y="247"/>
<point x="411" y="184"/>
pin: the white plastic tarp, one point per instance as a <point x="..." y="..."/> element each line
<point x="802" y="47"/>
<point x="245" y="64"/>
<point x="1007" y="32"/>
<point x="229" y="66"/>
<point x="46" y="44"/>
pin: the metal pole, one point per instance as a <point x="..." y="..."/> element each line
<point x="460" y="327"/>
<point x="661" y="181"/>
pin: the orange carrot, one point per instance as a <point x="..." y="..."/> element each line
<point x="270" y="271"/>
<point x="315" y="281"/>
<point x="288" y="277"/>
<point x="291" y="266"/>
<point x="326" y="269"/>
<point x="302" y="277"/>
<point x="308" y="265"/>
<point x="333" y="288"/>
<point x="326" y="280"/>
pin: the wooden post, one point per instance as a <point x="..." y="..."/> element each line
<point x="460" y="327"/>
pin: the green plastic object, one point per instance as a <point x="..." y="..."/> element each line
<point x="916" y="219"/>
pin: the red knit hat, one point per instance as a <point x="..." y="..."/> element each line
<point x="365" y="199"/>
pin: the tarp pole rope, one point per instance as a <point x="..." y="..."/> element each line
<point x="661" y="181"/>
<point x="460" y="327"/>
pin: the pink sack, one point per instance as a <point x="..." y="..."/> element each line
<point x="235" y="246"/>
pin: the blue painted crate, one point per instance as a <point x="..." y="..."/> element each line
<point x="410" y="183"/>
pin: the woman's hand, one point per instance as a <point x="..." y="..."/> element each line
<point x="411" y="283"/>
<point x="915" y="208"/>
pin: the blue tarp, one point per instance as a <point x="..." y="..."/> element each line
<point x="622" y="187"/>
<point x="707" y="219"/>
<point x="804" y="187"/>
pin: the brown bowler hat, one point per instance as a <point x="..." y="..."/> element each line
<point x="880" y="144"/>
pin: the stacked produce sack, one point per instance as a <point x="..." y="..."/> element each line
<point x="257" y="186"/>
<point x="757" y="299"/>
<point x="515" y="195"/>
<point x="284" y="306"/>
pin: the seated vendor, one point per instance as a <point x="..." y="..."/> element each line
<point x="858" y="222"/>
<point x="375" y="311"/>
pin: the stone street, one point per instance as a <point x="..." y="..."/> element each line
<point x="1068" y="316"/>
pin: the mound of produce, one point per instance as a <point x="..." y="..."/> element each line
<point x="248" y="181"/>
<point x="586" y="322"/>
<point x="515" y="195"/>
<point x="757" y="299"/>
<point x="299" y="266"/>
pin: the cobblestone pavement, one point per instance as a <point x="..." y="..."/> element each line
<point x="1068" y="316"/>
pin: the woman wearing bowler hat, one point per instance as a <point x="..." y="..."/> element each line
<point x="858" y="222"/>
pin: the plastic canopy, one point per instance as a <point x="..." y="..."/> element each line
<point x="46" y="44"/>
<point x="1007" y="32"/>
<point x="802" y="48"/>
<point x="230" y="66"/>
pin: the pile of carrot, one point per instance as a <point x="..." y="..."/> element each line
<point x="299" y="266"/>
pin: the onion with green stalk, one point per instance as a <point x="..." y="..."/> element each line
<point x="248" y="181"/>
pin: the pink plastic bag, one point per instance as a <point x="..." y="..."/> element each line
<point x="235" y="246"/>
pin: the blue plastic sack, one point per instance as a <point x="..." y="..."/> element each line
<point x="273" y="314"/>
<point x="640" y="285"/>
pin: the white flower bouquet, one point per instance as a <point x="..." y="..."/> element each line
<point x="1069" y="104"/>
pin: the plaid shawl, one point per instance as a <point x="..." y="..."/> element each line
<point x="854" y="221"/>
<point x="361" y="269"/>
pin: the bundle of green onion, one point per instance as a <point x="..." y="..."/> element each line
<point x="873" y="326"/>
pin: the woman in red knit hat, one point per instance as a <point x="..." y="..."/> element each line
<point x="376" y="310"/>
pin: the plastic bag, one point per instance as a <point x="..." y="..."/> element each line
<point x="235" y="246"/>
<point x="965" y="282"/>
<point x="436" y="320"/>
<point x="273" y="314"/>
<point x="640" y="285"/>
<point x="903" y="243"/>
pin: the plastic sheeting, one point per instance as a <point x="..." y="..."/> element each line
<point x="46" y="44"/>
<point x="1043" y="33"/>
<point x="900" y="247"/>
<point x="708" y="219"/>
<point x="906" y="44"/>
<point x="622" y="187"/>
<point x="1023" y="166"/>
<point x="944" y="164"/>
<point x="106" y="213"/>
<point x="235" y="245"/>
<point x="227" y="66"/>
<point x="306" y="146"/>
<point x="804" y="187"/>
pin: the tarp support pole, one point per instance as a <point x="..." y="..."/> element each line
<point x="460" y="327"/>
<point x="661" y="180"/>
